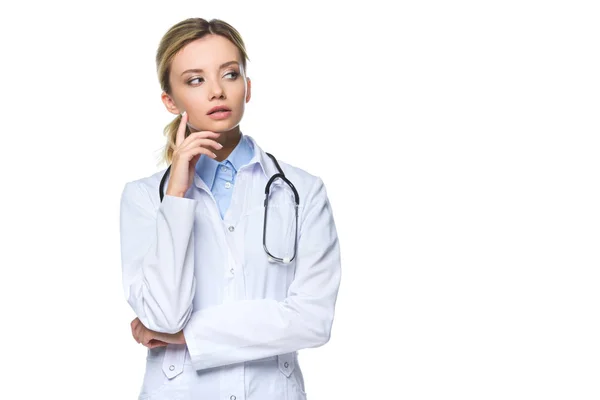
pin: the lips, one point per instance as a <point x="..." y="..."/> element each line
<point x="218" y="108"/>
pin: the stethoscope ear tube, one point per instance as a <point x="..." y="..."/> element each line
<point x="161" y="190"/>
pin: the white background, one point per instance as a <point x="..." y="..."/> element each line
<point x="458" y="142"/>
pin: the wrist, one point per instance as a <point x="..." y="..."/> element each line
<point x="175" y="192"/>
<point x="174" y="338"/>
<point x="181" y="337"/>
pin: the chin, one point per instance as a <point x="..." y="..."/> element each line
<point x="223" y="125"/>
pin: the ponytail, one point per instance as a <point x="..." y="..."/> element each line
<point x="170" y="131"/>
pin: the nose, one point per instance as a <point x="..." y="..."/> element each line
<point x="216" y="90"/>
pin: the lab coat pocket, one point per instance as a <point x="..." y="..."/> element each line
<point x="154" y="381"/>
<point x="294" y="382"/>
<point x="163" y="377"/>
<point x="265" y="277"/>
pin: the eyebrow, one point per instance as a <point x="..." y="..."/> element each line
<point x="201" y="70"/>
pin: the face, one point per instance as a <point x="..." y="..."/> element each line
<point x="202" y="77"/>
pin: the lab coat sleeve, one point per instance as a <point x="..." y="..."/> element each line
<point x="258" y="328"/>
<point x="157" y="256"/>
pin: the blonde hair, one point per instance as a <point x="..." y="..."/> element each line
<point x="176" y="38"/>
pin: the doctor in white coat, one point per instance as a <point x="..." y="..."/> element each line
<point x="221" y="319"/>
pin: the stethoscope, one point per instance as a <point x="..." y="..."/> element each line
<point x="280" y="175"/>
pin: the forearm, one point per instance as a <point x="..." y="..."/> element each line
<point x="158" y="260"/>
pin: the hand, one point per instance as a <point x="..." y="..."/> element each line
<point x="152" y="339"/>
<point x="186" y="154"/>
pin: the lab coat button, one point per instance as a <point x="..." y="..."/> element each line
<point x="231" y="229"/>
<point x="232" y="397"/>
<point x="171" y="367"/>
<point x="286" y="363"/>
<point x="227" y="185"/>
<point x="231" y="270"/>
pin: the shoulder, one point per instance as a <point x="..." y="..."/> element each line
<point x="144" y="191"/>
<point x="309" y="185"/>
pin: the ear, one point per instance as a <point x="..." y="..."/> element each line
<point x="170" y="104"/>
<point x="248" y="89"/>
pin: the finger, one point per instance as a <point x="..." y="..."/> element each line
<point x="194" y="161"/>
<point x="202" y="142"/>
<point x="144" y="339"/>
<point x="146" y="336"/>
<point x="203" y="135"/>
<point x="139" y="330"/>
<point x="181" y="129"/>
<point x="156" y="343"/>
<point x="135" y="332"/>
<point x="190" y="153"/>
<point x="135" y="336"/>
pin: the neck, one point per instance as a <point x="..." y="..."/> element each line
<point x="229" y="140"/>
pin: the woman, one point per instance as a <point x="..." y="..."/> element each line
<point x="223" y="309"/>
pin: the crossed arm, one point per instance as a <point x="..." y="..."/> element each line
<point x="152" y="339"/>
<point x="232" y="332"/>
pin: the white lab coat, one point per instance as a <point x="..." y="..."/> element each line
<point x="244" y="317"/>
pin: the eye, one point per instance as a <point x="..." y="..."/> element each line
<point x="194" y="79"/>
<point x="232" y="73"/>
